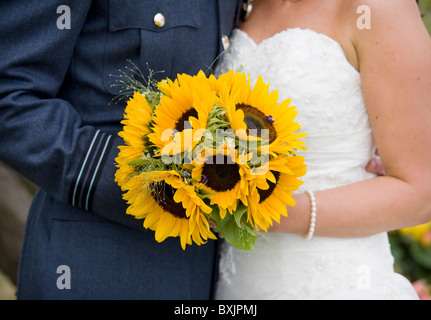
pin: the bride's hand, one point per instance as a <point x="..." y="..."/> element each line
<point x="375" y="166"/>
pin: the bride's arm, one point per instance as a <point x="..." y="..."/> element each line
<point x="395" y="65"/>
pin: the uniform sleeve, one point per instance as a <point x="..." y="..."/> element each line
<point x="42" y="136"/>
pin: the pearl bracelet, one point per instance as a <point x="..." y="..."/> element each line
<point x="310" y="233"/>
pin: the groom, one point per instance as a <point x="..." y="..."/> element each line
<point x="59" y="129"/>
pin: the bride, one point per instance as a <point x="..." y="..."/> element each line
<point x="355" y="89"/>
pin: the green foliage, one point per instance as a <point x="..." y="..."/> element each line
<point x="412" y="259"/>
<point x="235" y="229"/>
<point x="425" y="7"/>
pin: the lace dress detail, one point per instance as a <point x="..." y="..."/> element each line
<point x="311" y="69"/>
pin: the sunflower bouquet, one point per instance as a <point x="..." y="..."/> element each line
<point x="206" y="155"/>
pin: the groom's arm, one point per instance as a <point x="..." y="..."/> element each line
<point x="42" y="136"/>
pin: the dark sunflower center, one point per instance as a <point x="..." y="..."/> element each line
<point x="163" y="194"/>
<point x="264" y="194"/>
<point x="179" y="125"/>
<point x="256" y="121"/>
<point x="221" y="175"/>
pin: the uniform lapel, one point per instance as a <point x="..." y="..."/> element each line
<point x="229" y="12"/>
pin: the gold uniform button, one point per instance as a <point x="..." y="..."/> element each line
<point x="159" y="20"/>
<point x="225" y="42"/>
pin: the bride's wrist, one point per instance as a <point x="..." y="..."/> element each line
<point x="298" y="217"/>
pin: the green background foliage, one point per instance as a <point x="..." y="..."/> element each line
<point x="425" y="6"/>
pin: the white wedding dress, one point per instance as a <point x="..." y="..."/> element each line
<point x="312" y="70"/>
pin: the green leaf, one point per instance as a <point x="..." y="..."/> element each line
<point x="237" y="233"/>
<point x="239" y="213"/>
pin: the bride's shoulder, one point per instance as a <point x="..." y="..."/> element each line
<point x="368" y="20"/>
<point x="362" y="24"/>
<point x="376" y="11"/>
<point x="380" y="12"/>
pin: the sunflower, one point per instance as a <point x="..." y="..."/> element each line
<point x="136" y="123"/>
<point x="272" y="191"/>
<point x="224" y="87"/>
<point x="168" y="206"/>
<point x="259" y="110"/>
<point x="182" y="115"/>
<point x="221" y="175"/>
